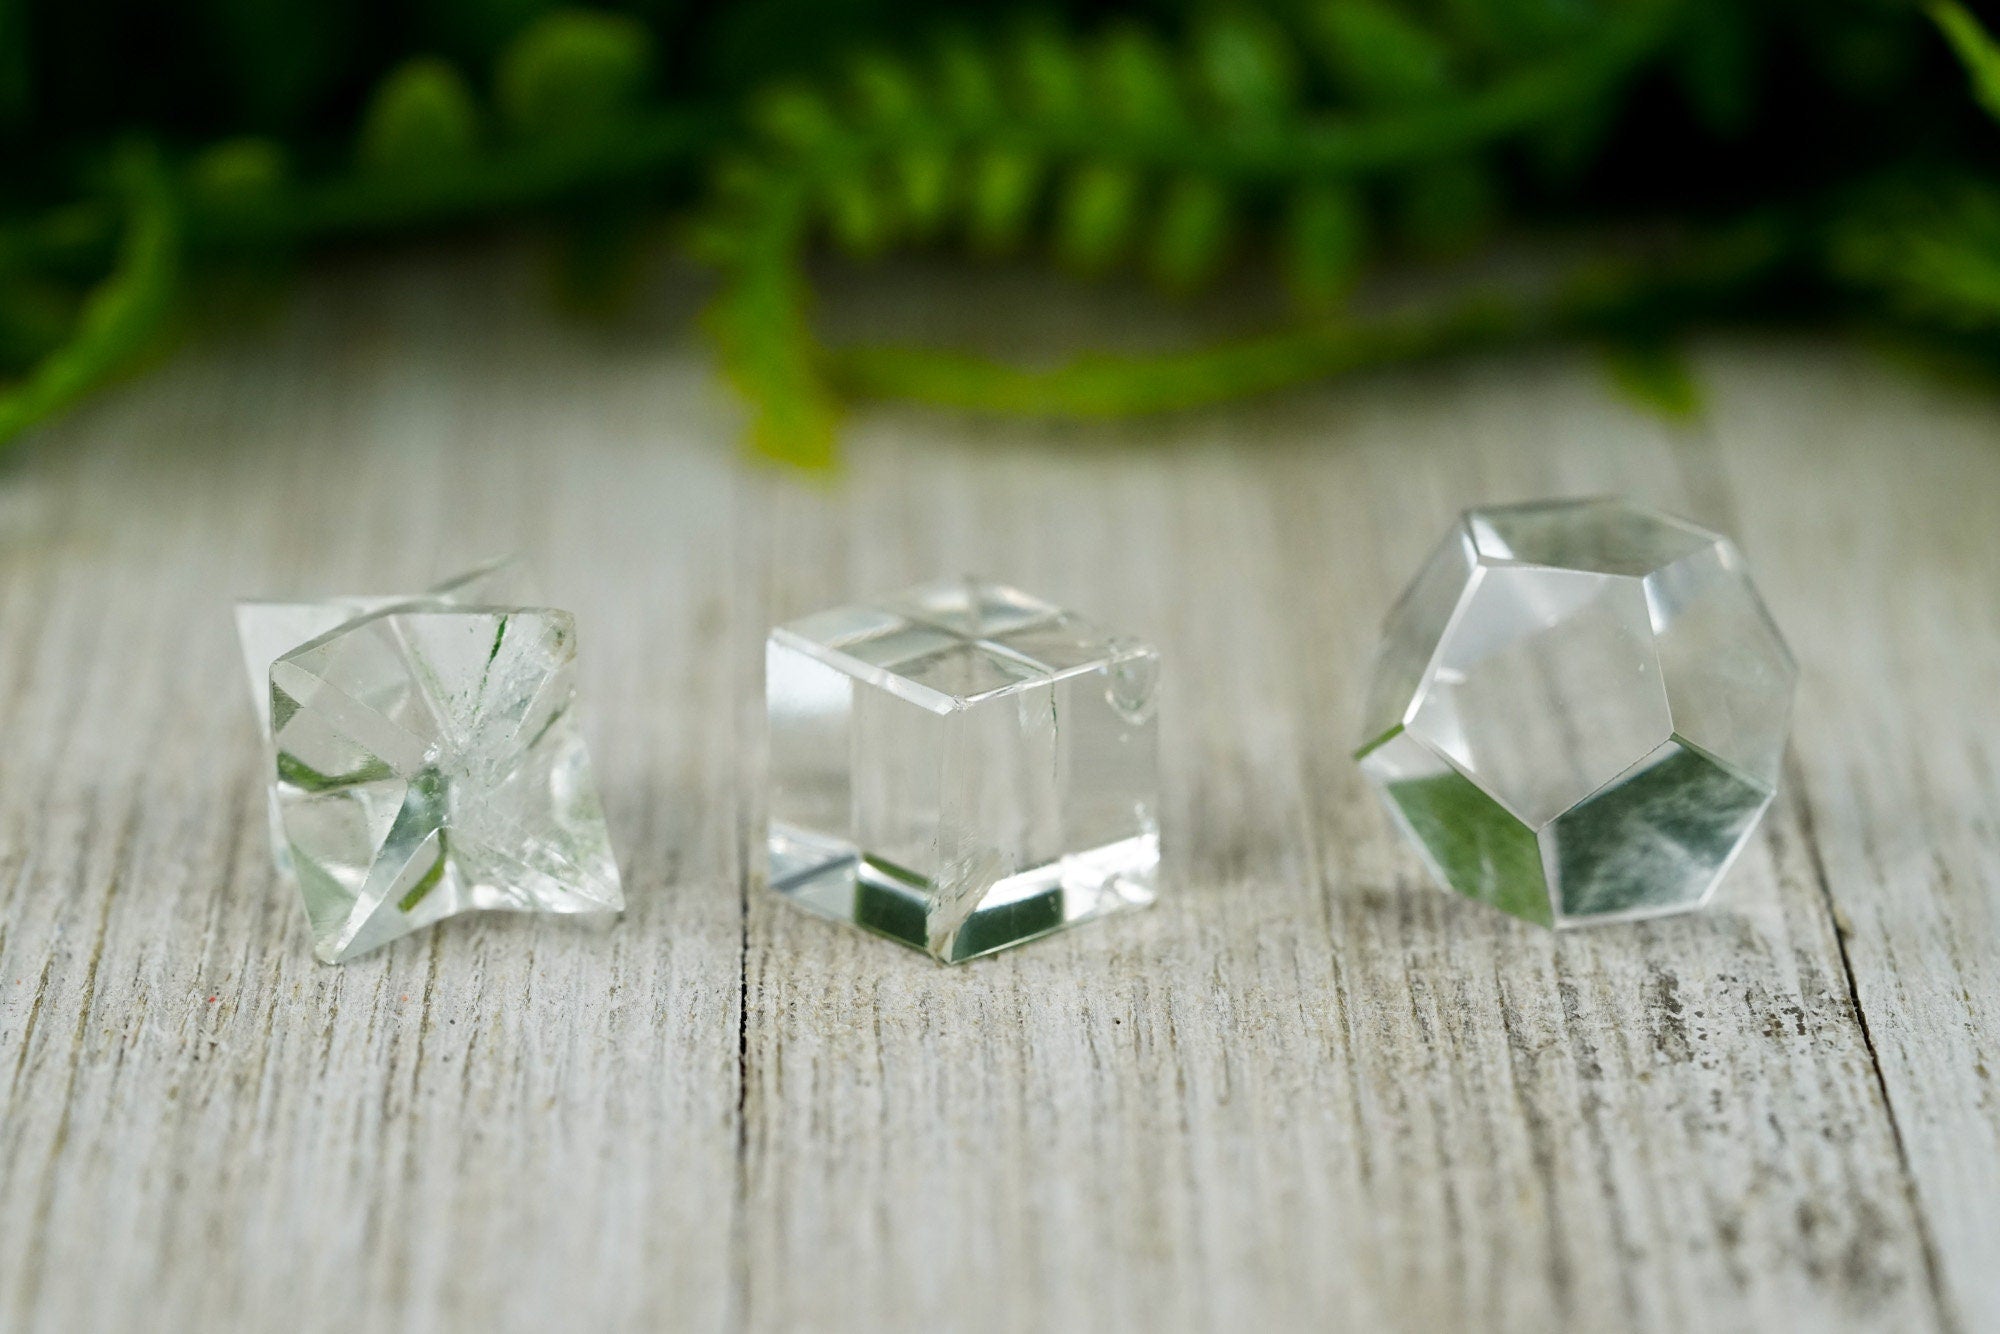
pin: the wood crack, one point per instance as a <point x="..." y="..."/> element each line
<point x="1926" y="1242"/>
<point x="745" y="853"/>
<point x="739" y="1241"/>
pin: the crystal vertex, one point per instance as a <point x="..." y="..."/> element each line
<point x="1579" y="710"/>
<point x="961" y="767"/>
<point x="425" y="761"/>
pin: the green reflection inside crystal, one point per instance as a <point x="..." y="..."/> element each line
<point x="1481" y="851"/>
<point x="1655" y="839"/>
<point x="891" y="900"/>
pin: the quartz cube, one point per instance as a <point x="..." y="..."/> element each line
<point x="1579" y="710"/>
<point x="425" y="761"/>
<point x="961" y="768"/>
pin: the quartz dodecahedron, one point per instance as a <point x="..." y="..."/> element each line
<point x="1579" y="710"/>
<point x="425" y="763"/>
<point x="961" y="768"/>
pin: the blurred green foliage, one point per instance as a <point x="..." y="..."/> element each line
<point x="1662" y="162"/>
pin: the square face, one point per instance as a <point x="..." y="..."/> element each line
<point x="961" y="767"/>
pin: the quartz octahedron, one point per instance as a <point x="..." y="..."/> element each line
<point x="1579" y="710"/>
<point x="268" y="628"/>
<point x="961" y="767"/>
<point x="425" y="761"/>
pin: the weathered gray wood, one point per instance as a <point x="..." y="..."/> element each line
<point x="502" y="1126"/>
<point x="1886" y="492"/>
<point x="1305" y="1092"/>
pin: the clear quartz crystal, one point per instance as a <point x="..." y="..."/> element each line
<point x="424" y="760"/>
<point x="268" y="628"/>
<point x="1579" y="710"/>
<point x="961" y="768"/>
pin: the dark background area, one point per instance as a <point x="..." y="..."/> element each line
<point x="1778" y="160"/>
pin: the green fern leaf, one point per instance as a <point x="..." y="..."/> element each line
<point x="1325" y="239"/>
<point x="1977" y="51"/>
<point x="1246" y="64"/>
<point x="885" y="91"/>
<point x="1192" y="239"/>
<point x="1050" y="75"/>
<point x="767" y="353"/>
<point x="1096" y="216"/>
<point x="1001" y="197"/>
<point x="1377" y="55"/>
<point x="795" y="118"/>
<point x="121" y="316"/>
<point x="1115" y="146"/>
<point x="421" y="117"/>
<point x="1655" y="376"/>
<point x="238" y="174"/>
<point x="1136" y="81"/>
<point x="1935" y="257"/>
<point x="859" y="215"/>
<point x="573" y="71"/>
<point x="924" y="189"/>
<point x="968" y="86"/>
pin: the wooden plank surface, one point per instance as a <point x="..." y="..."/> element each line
<point x="1304" y="1092"/>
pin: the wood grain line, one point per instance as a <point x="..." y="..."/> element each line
<point x="1305" y="1091"/>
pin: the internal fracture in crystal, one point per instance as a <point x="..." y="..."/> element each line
<point x="425" y="760"/>
<point x="1579" y="710"/>
<point x="961" y="767"/>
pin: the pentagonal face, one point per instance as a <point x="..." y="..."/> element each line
<point x="1545" y="687"/>
<point x="1655" y="841"/>
<point x="1412" y="631"/>
<point x="1729" y="677"/>
<point x="1469" y="841"/>
<point x="426" y="763"/>
<point x="1601" y="535"/>
<point x="960" y="767"/>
